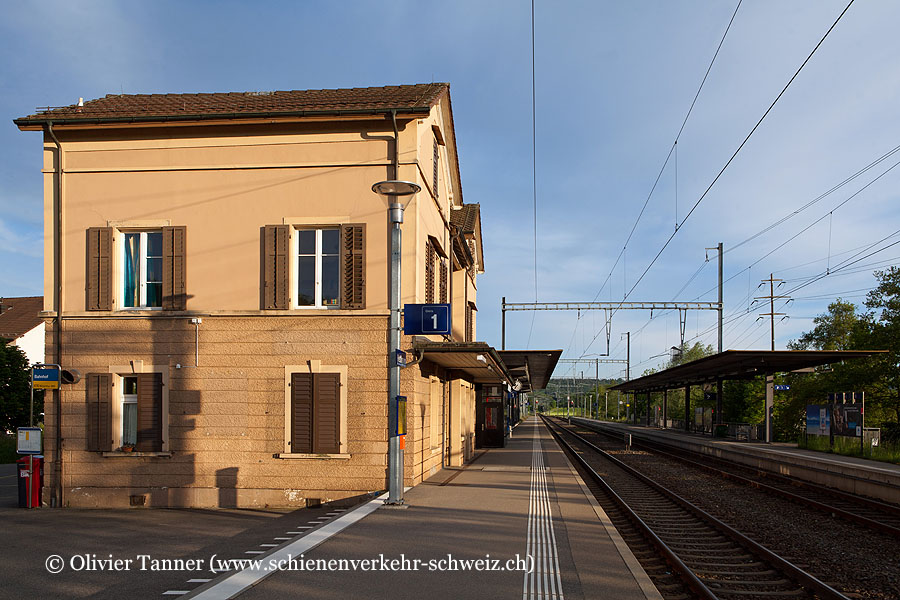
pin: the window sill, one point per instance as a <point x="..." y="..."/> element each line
<point x="309" y="456"/>
<point x="119" y="453"/>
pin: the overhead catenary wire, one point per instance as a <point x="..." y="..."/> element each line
<point x="672" y="149"/>
<point x="730" y="160"/>
<point x="739" y="148"/>
<point x="533" y="171"/>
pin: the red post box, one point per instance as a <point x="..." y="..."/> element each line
<point x="30" y="481"/>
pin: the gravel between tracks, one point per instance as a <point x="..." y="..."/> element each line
<point x="855" y="560"/>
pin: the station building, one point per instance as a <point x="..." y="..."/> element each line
<point x="216" y="268"/>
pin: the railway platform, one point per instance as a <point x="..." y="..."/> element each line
<point x="847" y="473"/>
<point x="521" y="510"/>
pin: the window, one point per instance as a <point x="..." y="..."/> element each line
<point x="150" y="269"/>
<point x="142" y="269"/>
<point x="318" y="274"/>
<point x="313" y="268"/>
<point x="430" y="256"/>
<point x="135" y="415"/>
<point x="128" y="421"/>
<point x="316" y="423"/>
<point x="436" y="161"/>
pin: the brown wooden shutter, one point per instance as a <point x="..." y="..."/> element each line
<point x="149" y="412"/>
<point x="436" y="161"/>
<point x="99" y="269"/>
<point x="276" y="264"/>
<point x="99" y="412"/>
<point x="173" y="283"/>
<point x="301" y="413"/>
<point x="443" y="284"/>
<point x="429" y="272"/>
<point x="327" y="407"/>
<point x="353" y="266"/>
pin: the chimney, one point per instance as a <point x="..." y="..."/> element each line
<point x="80" y="105"/>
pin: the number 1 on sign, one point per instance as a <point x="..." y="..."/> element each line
<point x="434" y="320"/>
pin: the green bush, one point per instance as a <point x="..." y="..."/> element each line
<point x="890" y="433"/>
<point x="8" y="449"/>
<point x="848" y="446"/>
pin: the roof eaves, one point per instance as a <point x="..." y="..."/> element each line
<point x="36" y="120"/>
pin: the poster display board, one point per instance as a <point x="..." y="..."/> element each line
<point x="818" y="419"/>
<point x="847" y="420"/>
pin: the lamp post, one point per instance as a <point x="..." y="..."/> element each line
<point x="394" y="190"/>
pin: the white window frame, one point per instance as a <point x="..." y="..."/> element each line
<point x="295" y="244"/>
<point x="122" y="401"/>
<point x="142" y="279"/>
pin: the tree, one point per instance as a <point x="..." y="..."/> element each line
<point x="686" y="354"/>
<point x="835" y="330"/>
<point x="884" y="333"/>
<point x="14" y="388"/>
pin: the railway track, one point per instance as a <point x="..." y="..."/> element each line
<point x="873" y="514"/>
<point x="712" y="559"/>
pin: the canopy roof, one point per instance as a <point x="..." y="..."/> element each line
<point x="477" y="359"/>
<point x="738" y="364"/>
<point x="532" y="368"/>
<point x="483" y="364"/>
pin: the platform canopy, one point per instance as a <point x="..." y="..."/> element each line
<point x="532" y="368"/>
<point x="738" y="364"/>
<point x="523" y="370"/>
<point x="478" y="360"/>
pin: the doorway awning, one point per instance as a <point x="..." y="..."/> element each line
<point x="478" y="360"/>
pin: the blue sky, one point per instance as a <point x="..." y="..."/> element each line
<point x="614" y="81"/>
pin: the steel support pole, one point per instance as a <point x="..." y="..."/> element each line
<point x="721" y="306"/>
<point x="627" y="356"/>
<point x="770" y="402"/>
<point x="687" y="408"/>
<point x="503" y="323"/>
<point x="719" y="391"/>
<point x="665" y="414"/>
<point x="395" y="452"/>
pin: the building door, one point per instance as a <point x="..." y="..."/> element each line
<point x="493" y="423"/>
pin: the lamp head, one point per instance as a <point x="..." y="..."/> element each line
<point x="395" y="190"/>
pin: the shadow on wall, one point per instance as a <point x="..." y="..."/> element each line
<point x="226" y="483"/>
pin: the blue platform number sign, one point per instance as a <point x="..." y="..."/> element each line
<point x="782" y="388"/>
<point x="426" y="319"/>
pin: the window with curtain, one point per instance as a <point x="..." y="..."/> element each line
<point x="142" y="269"/>
<point x="129" y="410"/>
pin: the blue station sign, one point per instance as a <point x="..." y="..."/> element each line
<point x="46" y="378"/>
<point x="426" y="319"/>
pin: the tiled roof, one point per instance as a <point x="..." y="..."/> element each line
<point x="154" y="107"/>
<point x="466" y="217"/>
<point x="18" y="316"/>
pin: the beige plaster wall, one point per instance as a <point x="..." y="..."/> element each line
<point x="227" y="413"/>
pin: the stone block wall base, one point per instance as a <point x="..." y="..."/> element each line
<point x="113" y="497"/>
